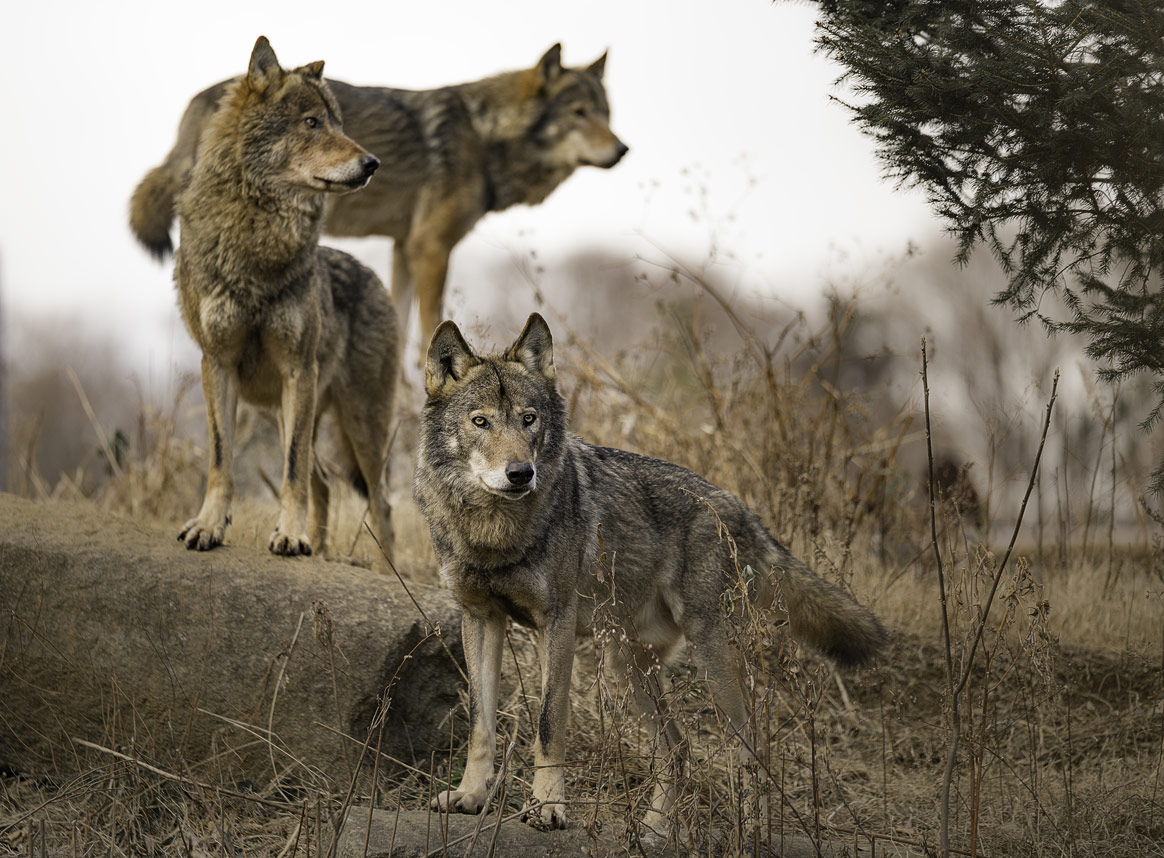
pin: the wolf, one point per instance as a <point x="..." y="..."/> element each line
<point x="534" y="524"/>
<point x="282" y="322"/>
<point x="451" y="155"/>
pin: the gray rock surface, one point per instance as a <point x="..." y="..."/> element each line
<point x="230" y="663"/>
<point x="418" y="834"/>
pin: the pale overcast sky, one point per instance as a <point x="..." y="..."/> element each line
<point x="726" y="94"/>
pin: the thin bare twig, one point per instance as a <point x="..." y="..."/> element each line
<point x="101" y="436"/>
<point x="954" y="689"/>
<point x="433" y="628"/>
<point x="275" y="693"/>
<point x="170" y="776"/>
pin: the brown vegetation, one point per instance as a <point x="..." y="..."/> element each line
<point x="1061" y="727"/>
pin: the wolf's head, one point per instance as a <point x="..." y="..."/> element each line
<point x="556" y="115"/>
<point x="493" y="423"/>
<point x="572" y="127"/>
<point x="288" y="129"/>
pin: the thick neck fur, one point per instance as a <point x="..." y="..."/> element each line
<point x="517" y="176"/>
<point x="243" y="223"/>
<point x="495" y="532"/>
<point x="502" y="106"/>
<point x="513" y="163"/>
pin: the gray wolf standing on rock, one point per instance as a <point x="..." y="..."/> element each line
<point x="451" y="155"/>
<point x="282" y="322"/>
<point x="532" y="523"/>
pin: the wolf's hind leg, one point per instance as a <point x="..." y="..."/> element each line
<point x="317" y="519"/>
<point x="642" y="669"/>
<point x="722" y="666"/>
<point x="364" y="426"/>
<point x="403" y="291"/>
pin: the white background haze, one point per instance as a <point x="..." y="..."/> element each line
<point x="725" y="106"/>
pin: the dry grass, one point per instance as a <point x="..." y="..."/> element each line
<point x="1062" y="725"/>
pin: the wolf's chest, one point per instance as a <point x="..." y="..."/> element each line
<point x="259" y="378"/>
<point x="259" y="342"/>
<point x="523" y="593"/>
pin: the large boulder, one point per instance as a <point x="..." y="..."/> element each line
<point x="230" y="663"/>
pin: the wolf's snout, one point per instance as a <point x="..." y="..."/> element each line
<point x="613" y="156"/>
<point x="519" y="473"/>
<point x="369" y="163"/>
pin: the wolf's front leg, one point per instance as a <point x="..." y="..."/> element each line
<point x="483" y="636"/>
<point x="548" y="809"/>
<point x="220" y="387"/>
<point x="298" y="416"/>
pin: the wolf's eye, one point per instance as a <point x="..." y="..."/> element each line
<point x="311" y="122"/>
<point x="480" y="421"/>
<point x="528" y="419"/>
<point x="580" y="111"/>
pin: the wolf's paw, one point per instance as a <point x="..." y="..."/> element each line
<point x="456" y="801"/>
<point x="545" y="815"/>
<point x="201" y="536"/>
<point x="289" y="546"/>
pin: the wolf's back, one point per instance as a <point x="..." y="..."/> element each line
<point x="823" y="615"/>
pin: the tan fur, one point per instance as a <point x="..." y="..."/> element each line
<point x="450" y="156"/>
<point x="282" y="322"/>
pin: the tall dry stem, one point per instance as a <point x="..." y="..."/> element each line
<point x="954" y="688"/>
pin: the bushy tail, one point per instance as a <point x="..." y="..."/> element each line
<point x="151" y="209"/>
<point x="823" y="615"/>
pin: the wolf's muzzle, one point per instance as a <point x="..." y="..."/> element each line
<point x="620" y="150"/>
<point x="519" y="473"/>
<point x="369" y="163"/>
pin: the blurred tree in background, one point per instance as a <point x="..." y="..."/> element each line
<point x="1036" y="129"/>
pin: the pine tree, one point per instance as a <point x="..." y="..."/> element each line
<point x="1037" y="130"/>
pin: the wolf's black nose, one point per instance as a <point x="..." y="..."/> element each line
<point x="519" y="473"/>
<point x="369" y="163"/>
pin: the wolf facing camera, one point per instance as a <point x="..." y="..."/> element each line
<point x="525" y="518"/>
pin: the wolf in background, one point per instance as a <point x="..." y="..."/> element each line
<point x="282" y="322"/>
<point x="450" y="155"/>
<point x="523" y="514"/>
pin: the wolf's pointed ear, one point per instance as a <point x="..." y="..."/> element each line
<point x="449" y="358"/>
<point x="598" y="67"/>
<point x="534" y="348"/>
<point x="550" y="65"/>
<point x="314" y="69"/>
<point x="264" y="68"/>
